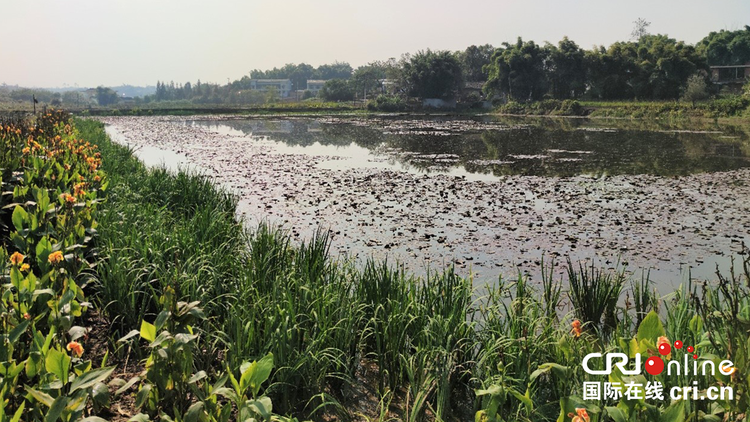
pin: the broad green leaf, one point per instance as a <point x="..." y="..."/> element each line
<point x="43" y="250"/>
<point x="58" y="363"/>
<point x="255" y="374"/>
<point x="194" y="412"/>
<point x="33" y="364"/>
<point x="100" y="395"/>
<point x="17" y="416"/>
<point x="56" y="409"/>
<point x="141" y="417"/>
<point x="41" y="397"/>
<point x="262" y="407"/>
<point x="651" y="328"/>
<point x="16" y="333"/>
<point x="148" y="331"/>
<point x="20" y="218"/>
<point x="90" y="378"/>
<point x="616" y="414"/>
<point x="675" y="412"/>
<point x="128" y="336"/>
<point x="127" y="385"/>
<point x="197" y="377"/>
<point x="142" y="396"/>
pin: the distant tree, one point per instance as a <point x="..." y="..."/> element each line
<point x="300" y="75"/>
<point x="367" y="78"/>
<point x="73" y="98"/>
<point x="335" y="70"/>
<point x="433" y="74"/>
<point x="726" y="48"/>
<point x="566" y="69"/>
<point x="517" y="70"/>
<point x="337" y="90"/>
<point x="640" y="29"/>
<point x="696" y="88"/>
<point x="473" y="61"/>
<point x="106" y="96"/>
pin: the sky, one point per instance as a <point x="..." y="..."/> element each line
<point x="57" y="43"/>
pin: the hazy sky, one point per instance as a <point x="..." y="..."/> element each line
<point x="50" y="43"/>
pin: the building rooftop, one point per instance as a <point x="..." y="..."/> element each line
<point x="271" y="80"/>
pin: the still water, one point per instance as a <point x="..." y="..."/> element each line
<point x="486" y="148"/>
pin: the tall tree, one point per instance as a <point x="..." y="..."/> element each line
<point x="517" y="70"/>
<point x="640" y="29"/>
<point x="566" y="69"/>
<point x="433" y="74"/>
<point x="473" y="61"/>
<point x="725" y="48"/>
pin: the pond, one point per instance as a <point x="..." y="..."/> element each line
<point x="491" y="196"/>
<point x="485" y="147"/>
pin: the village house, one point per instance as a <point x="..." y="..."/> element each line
<point x="283" y="87"/>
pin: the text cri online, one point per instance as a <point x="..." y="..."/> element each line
<point x="654" y="390"/>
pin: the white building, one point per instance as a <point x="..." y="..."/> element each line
<point x="315" y="85"/>
<point x="283" y="87"/>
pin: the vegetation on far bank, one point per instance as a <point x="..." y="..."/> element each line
<point x="648" y="67"/>
<point x="205" y="320"/>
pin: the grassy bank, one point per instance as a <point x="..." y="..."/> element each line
<point x="322" y="339"/>
<point x="729" y="107"/>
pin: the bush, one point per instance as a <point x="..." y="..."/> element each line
<point x="387" y="103"/>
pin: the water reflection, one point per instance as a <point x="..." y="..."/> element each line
<point x="487" y="147"/>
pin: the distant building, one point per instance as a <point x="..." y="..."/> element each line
<point x="733" y="77"/>
<point x="315" y="85"/>
<point x="283" y="87"/>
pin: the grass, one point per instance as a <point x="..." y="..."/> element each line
<point x="425" y="346"/>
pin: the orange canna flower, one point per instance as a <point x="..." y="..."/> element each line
<point x="26" y="316"/>
<point x="55" y="257"/>
<point x="70" y="199"/>
<point x="17" y="258"/>
<point x="26" y="150"/>
<point x="25" y="267"/>
<point x="577" y="331"/>
<point x="76" y="348"/>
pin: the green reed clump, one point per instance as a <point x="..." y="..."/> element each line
<point x="594" y="293"/>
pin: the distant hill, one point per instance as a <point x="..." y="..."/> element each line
<point x="127" y="90"/>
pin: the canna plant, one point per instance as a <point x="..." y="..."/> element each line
<point x="50" y="187"/>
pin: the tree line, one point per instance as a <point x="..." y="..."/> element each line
<point x="647" y="67"/>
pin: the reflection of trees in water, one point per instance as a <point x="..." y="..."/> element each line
<point x="622" y="151"/>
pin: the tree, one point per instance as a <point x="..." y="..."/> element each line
<point x="725" y="48"/>
<point x="696" y="88"/>
<point x="566" y="69"/>
<point x="518" y="71"/>
<point x="337" y="90"/>
<point x="640" y="29"/>
<point x="106" y="96"/>
<point x="335" y="70"/>
<point x="473" y="61"/>
<point x="431" y="74"/>
<point x="366" y="78"/>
